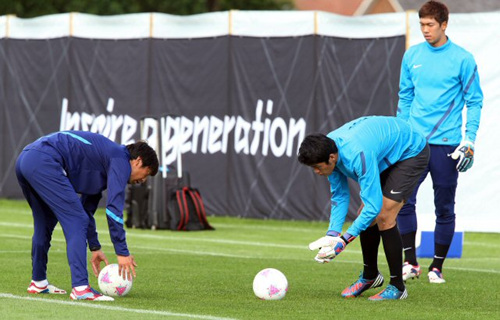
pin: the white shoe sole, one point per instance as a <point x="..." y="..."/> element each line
<point x="407" y="274"/>
<point x="433" y="278"/>
<point x="101" y="298"/>
<point x="52" y="290"/>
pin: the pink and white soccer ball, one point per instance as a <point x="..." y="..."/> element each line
<point x="270" y="284"/>
<point x="112" y="284"/>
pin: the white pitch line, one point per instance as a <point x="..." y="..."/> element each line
<point x="473" y="270"/>
<point x="223" y="241"/>
<point x="481" y="244"/>
<point x="131" y="233"/>
<point x="155" y="250"/>
<point x="221" y="225"/>
<point x="16" y="225"/>
<point x="97" y="305"/>
<point x="488" y="259"/>
<point x="270" y="228"/>
<point x="15" y="251"/>
<point x="196" y="239"/>
<point x="16" y="211"/>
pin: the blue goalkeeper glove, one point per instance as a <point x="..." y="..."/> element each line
<point x="464" y="153"/>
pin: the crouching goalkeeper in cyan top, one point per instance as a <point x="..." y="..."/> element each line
<point x="387" y="158"/>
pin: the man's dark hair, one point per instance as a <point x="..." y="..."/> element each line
<point x="435" y="9"/>
<point x="316" y="148"/>
<point x="147" y="154"/>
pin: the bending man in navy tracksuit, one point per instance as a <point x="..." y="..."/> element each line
<point x="386" y="157"/>
<point x="53" y="171"/>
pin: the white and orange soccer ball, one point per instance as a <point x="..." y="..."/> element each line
<point x="111" y="283"/>
<point x="270" y="284"/>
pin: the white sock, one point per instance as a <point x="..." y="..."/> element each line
<point x="41" y="284"/>
<point x="80" y="288"/>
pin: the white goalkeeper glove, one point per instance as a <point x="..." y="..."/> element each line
<point x="464" y="153"/>
<point x="329" y="247"/>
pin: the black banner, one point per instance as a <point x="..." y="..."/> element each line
<point x="237" y="108"/>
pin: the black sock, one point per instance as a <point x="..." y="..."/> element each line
<point x="393" y="247"/>
<point x="370" y="240"/>
<point x="409" y="247"/>
<point x="440" y="252"/>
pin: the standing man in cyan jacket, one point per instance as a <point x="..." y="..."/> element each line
<point x="438" y="78"/>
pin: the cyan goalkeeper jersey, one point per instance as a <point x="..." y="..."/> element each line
<point x="435" y="84"/>
<point x="366" y="147"/>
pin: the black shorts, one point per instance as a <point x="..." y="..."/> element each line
<point x="399" y="180"/>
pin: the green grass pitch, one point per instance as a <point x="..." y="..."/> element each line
<point x="209" y="274"/>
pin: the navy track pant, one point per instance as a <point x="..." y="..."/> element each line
<point x="53" y="199"/>
<point x="444" y="180"/>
